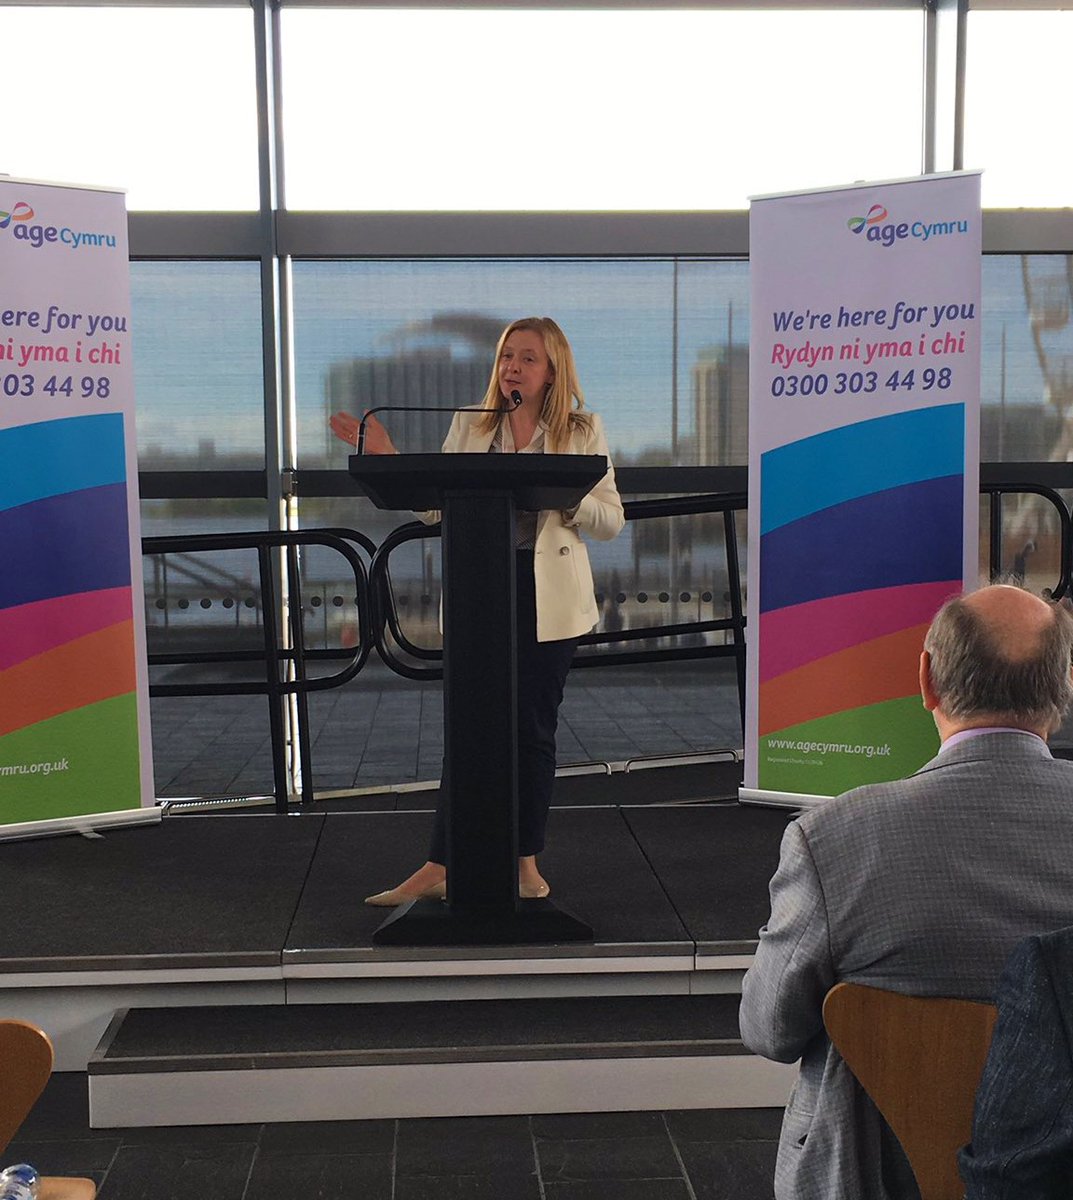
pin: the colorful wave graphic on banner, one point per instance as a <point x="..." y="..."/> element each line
<point x="861" y="542"/>
<point x="68" y="705"/>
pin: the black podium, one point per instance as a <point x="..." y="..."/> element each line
<point x="478" y="495"/>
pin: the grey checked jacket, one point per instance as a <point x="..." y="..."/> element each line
<point x="922" y="886"/>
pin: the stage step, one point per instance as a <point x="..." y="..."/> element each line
<point x="322" y="1062"/>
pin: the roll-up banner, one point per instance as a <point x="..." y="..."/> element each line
<point x="864" y="386"/>
<point x="74" y="697"/>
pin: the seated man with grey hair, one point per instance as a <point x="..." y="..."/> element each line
<point x="922" y="885"/>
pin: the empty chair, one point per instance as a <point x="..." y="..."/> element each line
<point x="25" y="1064"/>
<point x="920" y="1060"/>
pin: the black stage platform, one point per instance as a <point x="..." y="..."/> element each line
<point x="252" y="909"/>
<point x="245" y="890"/>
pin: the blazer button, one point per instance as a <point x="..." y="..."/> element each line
<point x="564" y="549"/>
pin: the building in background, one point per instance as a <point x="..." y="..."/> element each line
<point x="721" y="406"/>
<point x="444" y="362"/>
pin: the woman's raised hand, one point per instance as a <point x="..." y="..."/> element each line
<point x="377" y="440"/>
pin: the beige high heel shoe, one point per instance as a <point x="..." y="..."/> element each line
<point x="528" y="891"/>
<point x="396" y="896"/>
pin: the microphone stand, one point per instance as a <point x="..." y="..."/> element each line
<point x="359" y="445"/>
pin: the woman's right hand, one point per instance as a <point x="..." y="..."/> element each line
<point x="377" y="440"/>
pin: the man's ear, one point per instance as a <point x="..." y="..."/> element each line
<point x="927" y="692"/>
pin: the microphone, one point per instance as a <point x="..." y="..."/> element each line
<point x="359" y="447"/>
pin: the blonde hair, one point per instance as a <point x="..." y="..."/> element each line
<point x="563" y="400"/>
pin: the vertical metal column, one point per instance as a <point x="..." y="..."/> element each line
<point x="265" y="42"/>
<point x="945" y="25"/>
<point x="276" y="349"/>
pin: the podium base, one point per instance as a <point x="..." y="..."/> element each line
<point x="433" y="923"/>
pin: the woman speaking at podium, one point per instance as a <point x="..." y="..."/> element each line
<point x="533" y="404"/>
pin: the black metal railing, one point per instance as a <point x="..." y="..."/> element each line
<point x="997" y="491"/>
<point x="390" y="637"/>
<point x="285" y="656"/>
<point x="283" y="653"/>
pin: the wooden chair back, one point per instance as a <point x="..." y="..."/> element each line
<point x="26" y="1058"/>
<point x="25" y="1065"/>
<point x="920" y="1060"/>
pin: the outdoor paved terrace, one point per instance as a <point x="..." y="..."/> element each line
<point x="383" y="729"/>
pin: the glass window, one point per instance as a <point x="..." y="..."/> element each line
<point x="206" y="602"/>
<point x="1027" y="358"/>
<point x="712" y="338"/>
<point x="410" y="109"/>
<point x="371" y="333"/>
<point x="160" y="101"/>
<point x="1017" y="106"/>
<point x="384" y="728"/>
<point x="198" y="371"/>
<point x="661" y="347"/>
<point x="1027" y="397"/>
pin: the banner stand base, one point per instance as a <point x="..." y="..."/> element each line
<point x="87" y="823"/>
<point x="762" y="798"/>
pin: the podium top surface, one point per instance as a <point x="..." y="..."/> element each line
<point x="422" y="481"/>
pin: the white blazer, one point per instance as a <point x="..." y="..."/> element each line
<point x="565" y="596"/>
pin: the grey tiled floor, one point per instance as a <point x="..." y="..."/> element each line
<point x="383" y="729"/>
<point x="694" y="1155"/>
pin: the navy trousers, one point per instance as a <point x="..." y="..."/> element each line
<point x="542" y="670"/>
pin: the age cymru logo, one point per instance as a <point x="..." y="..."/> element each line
<point x="876" y="214"/>
<point x="21" y="212"/>
<point x="876" y="227"/>
<point x="39" y="235"/>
